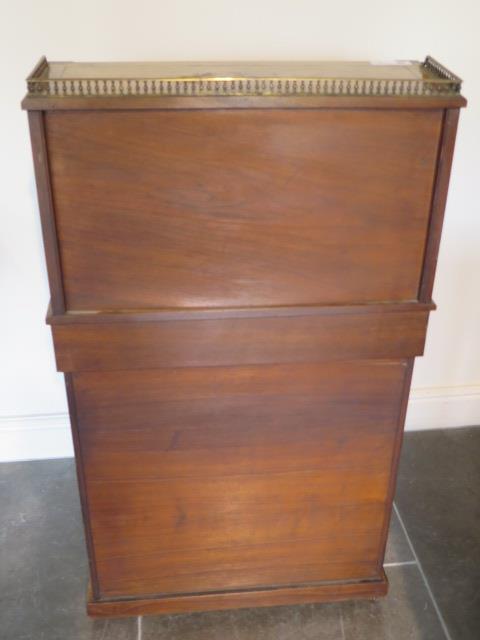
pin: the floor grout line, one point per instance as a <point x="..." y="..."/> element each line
<point x="399" y="564"/>
<point x="139" y="628"/>
<point x="342" y="628"/>
<point x="104" y="630"/>
<point x="424" y="577"/>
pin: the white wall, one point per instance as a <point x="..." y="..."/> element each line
<point x="33" y="421"/>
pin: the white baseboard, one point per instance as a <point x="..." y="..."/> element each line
<point x="443" y="407"/>
<point x="35" y="437"/>
<point x="38" y="437"/>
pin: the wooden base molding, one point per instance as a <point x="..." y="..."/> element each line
<point x="327" y="592"/>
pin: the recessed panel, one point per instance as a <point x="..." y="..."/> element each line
<point x="221" y="208"/>
<point x="228" y="478"/>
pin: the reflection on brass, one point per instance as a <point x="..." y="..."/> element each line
<point x="408" y="78"/>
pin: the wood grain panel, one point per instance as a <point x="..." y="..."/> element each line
<point x="241" y="207"/>
<point x="231" y="477"/>
<point x="347" y="556"/>
<point x="238" y="341"/>
<point x="228" y="513"/>
<point x="439" y="201"/>
<point x="164" y="423"/>
<point x="36" y="123"/>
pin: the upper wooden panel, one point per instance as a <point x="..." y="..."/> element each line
<point x="241" y="207"/>
<point x="313" y="78"/>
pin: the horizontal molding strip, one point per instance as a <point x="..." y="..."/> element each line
<point x="164" y="315"/>
<point x="238" y="341"/>
<point x="144" y="102"/>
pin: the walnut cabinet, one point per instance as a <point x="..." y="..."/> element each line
<point x="241" y="259"/>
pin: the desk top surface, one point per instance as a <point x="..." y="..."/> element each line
<point x="242" y="78"/>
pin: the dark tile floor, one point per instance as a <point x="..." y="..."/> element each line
<point x="432" y="561"/>
<point x="438" y="495"/>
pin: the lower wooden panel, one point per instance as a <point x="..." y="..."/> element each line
<point x="239" y="599"/>
<point x="227" y="478"/>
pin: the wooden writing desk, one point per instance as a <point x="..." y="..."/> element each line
<point x="241" y="259"/>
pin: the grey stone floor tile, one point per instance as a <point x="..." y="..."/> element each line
<point x="304" y="622"/>
<point x="438" y="496"/>
<point x="43" y="575"/>
<point x="120" y="629"/>
<point x="398" y="549"/>
<point x="406" y="613"/>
